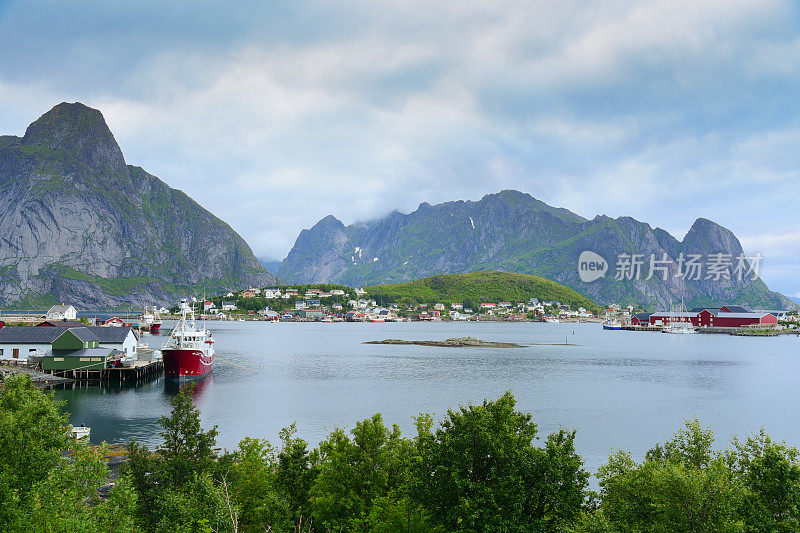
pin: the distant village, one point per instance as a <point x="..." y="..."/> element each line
<point x="355" y="305"/>
<point x="340" y="303"/>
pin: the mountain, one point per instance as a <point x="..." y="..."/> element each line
<point x="476" y="287"/>
<point x="514" y="232"/>
<point x="80" y="225"/>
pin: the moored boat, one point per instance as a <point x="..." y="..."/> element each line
<point x="189" y="351"/>
<point x="612" y="324"/>
<point x="150" y="321"/>
<point x="680" y="328"/>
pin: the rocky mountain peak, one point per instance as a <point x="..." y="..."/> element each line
<point x="708" y="235"/>
<point x="81" y="226"/>
<point x="82" y="132"/>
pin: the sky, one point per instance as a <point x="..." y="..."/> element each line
<point x="275" y="114"/>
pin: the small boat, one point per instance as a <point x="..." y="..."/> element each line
<point x="189" y="352"/>
<point x="679" y="328"/>
<point x="80" y="432"/>
<point x="612" y="324"/>
<point x="327" y="319"/>
<point x="678" y="321"/>
<point x="551" y="320"/>
<point x="377" y="319"/>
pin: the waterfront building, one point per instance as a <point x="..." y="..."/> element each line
<point x="62" y="312"/>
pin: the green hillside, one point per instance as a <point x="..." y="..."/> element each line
<point x="476" y="287"/>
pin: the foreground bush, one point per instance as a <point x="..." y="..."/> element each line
<point x="482" y="468"/>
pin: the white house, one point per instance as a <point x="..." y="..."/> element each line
<point x="228" y="306"/>
<point x="337" y="292"/>
<point x="21" y="343"/>
<point x="62" y="312"/>
<point x="272" y="293"/>
<point x="120" y="338"/>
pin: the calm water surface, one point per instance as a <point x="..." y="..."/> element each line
<point x="620" y="389"/>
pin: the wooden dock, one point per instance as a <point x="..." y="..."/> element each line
<point x="139" y="371"/>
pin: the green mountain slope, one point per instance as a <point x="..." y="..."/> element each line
<point x="476" y="287"/>
<point x="82" y="226"/>
<point x="512" y="231"/>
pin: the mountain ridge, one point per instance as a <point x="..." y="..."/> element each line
<point x="83" y="226"/>
<point x="512" y="231"/>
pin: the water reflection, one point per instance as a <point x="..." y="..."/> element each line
<point x="173" y="386"/>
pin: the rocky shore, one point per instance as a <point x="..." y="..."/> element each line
<point x="39" y="379"/>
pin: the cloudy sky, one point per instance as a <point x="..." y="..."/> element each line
<point x="274" y="114"/>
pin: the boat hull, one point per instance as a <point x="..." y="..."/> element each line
<point x="605" y="326"/>
<point x="186" y="363"/>
<point x="155" y="327"/>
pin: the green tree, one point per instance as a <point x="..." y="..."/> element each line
<point x="32" y="436"/>
<point x="296" y="473"/>
<point x="69" y="498"/>
<point x="770" y="473"/>
<point x="356" y="472"/>
<point x="176" y="487"/>
<point x="682" y="485"/>
<point x="253" y="486"/>
<point x="480" y="471"/>
<point x="187" y="449"/>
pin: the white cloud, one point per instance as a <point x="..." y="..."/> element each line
<point x="664" y="110"/>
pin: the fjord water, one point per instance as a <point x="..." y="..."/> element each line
<point x="619" y="389"/>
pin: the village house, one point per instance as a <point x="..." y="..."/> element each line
<point x="438" y="307"/>
<point x="337" y="292"/>
<point x="24" y="343"/>
<point x="456" y="306"/>
<point x="62" y="323"/>
<point x="288" y="293"/>
<point x="228" y="306"/>
<point x="309" y="313"/>
<point x="272" y="293"/>
<point x="250" y="293"/>
<point x="488" y="305"/>
<point x="61" y="312"/>
<point x="120" y="339"/>
<point x="300" y="304"/>
<point x="63" y="348"/>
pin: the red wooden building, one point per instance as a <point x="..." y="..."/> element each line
<point x="730" y="316"/>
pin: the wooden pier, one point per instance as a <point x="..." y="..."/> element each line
<point x="139" y="371"/>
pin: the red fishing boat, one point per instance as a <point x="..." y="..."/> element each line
<point x="150" y="321"/>
<point x="189" y="352"/>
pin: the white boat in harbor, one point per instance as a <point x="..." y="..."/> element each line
<point x="679" y="322"/>
<point x="679" y="328"/>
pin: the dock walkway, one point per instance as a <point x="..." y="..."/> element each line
<point x="139" y="371"/>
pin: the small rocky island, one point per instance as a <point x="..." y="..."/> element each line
<point x="457" y="342"/>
